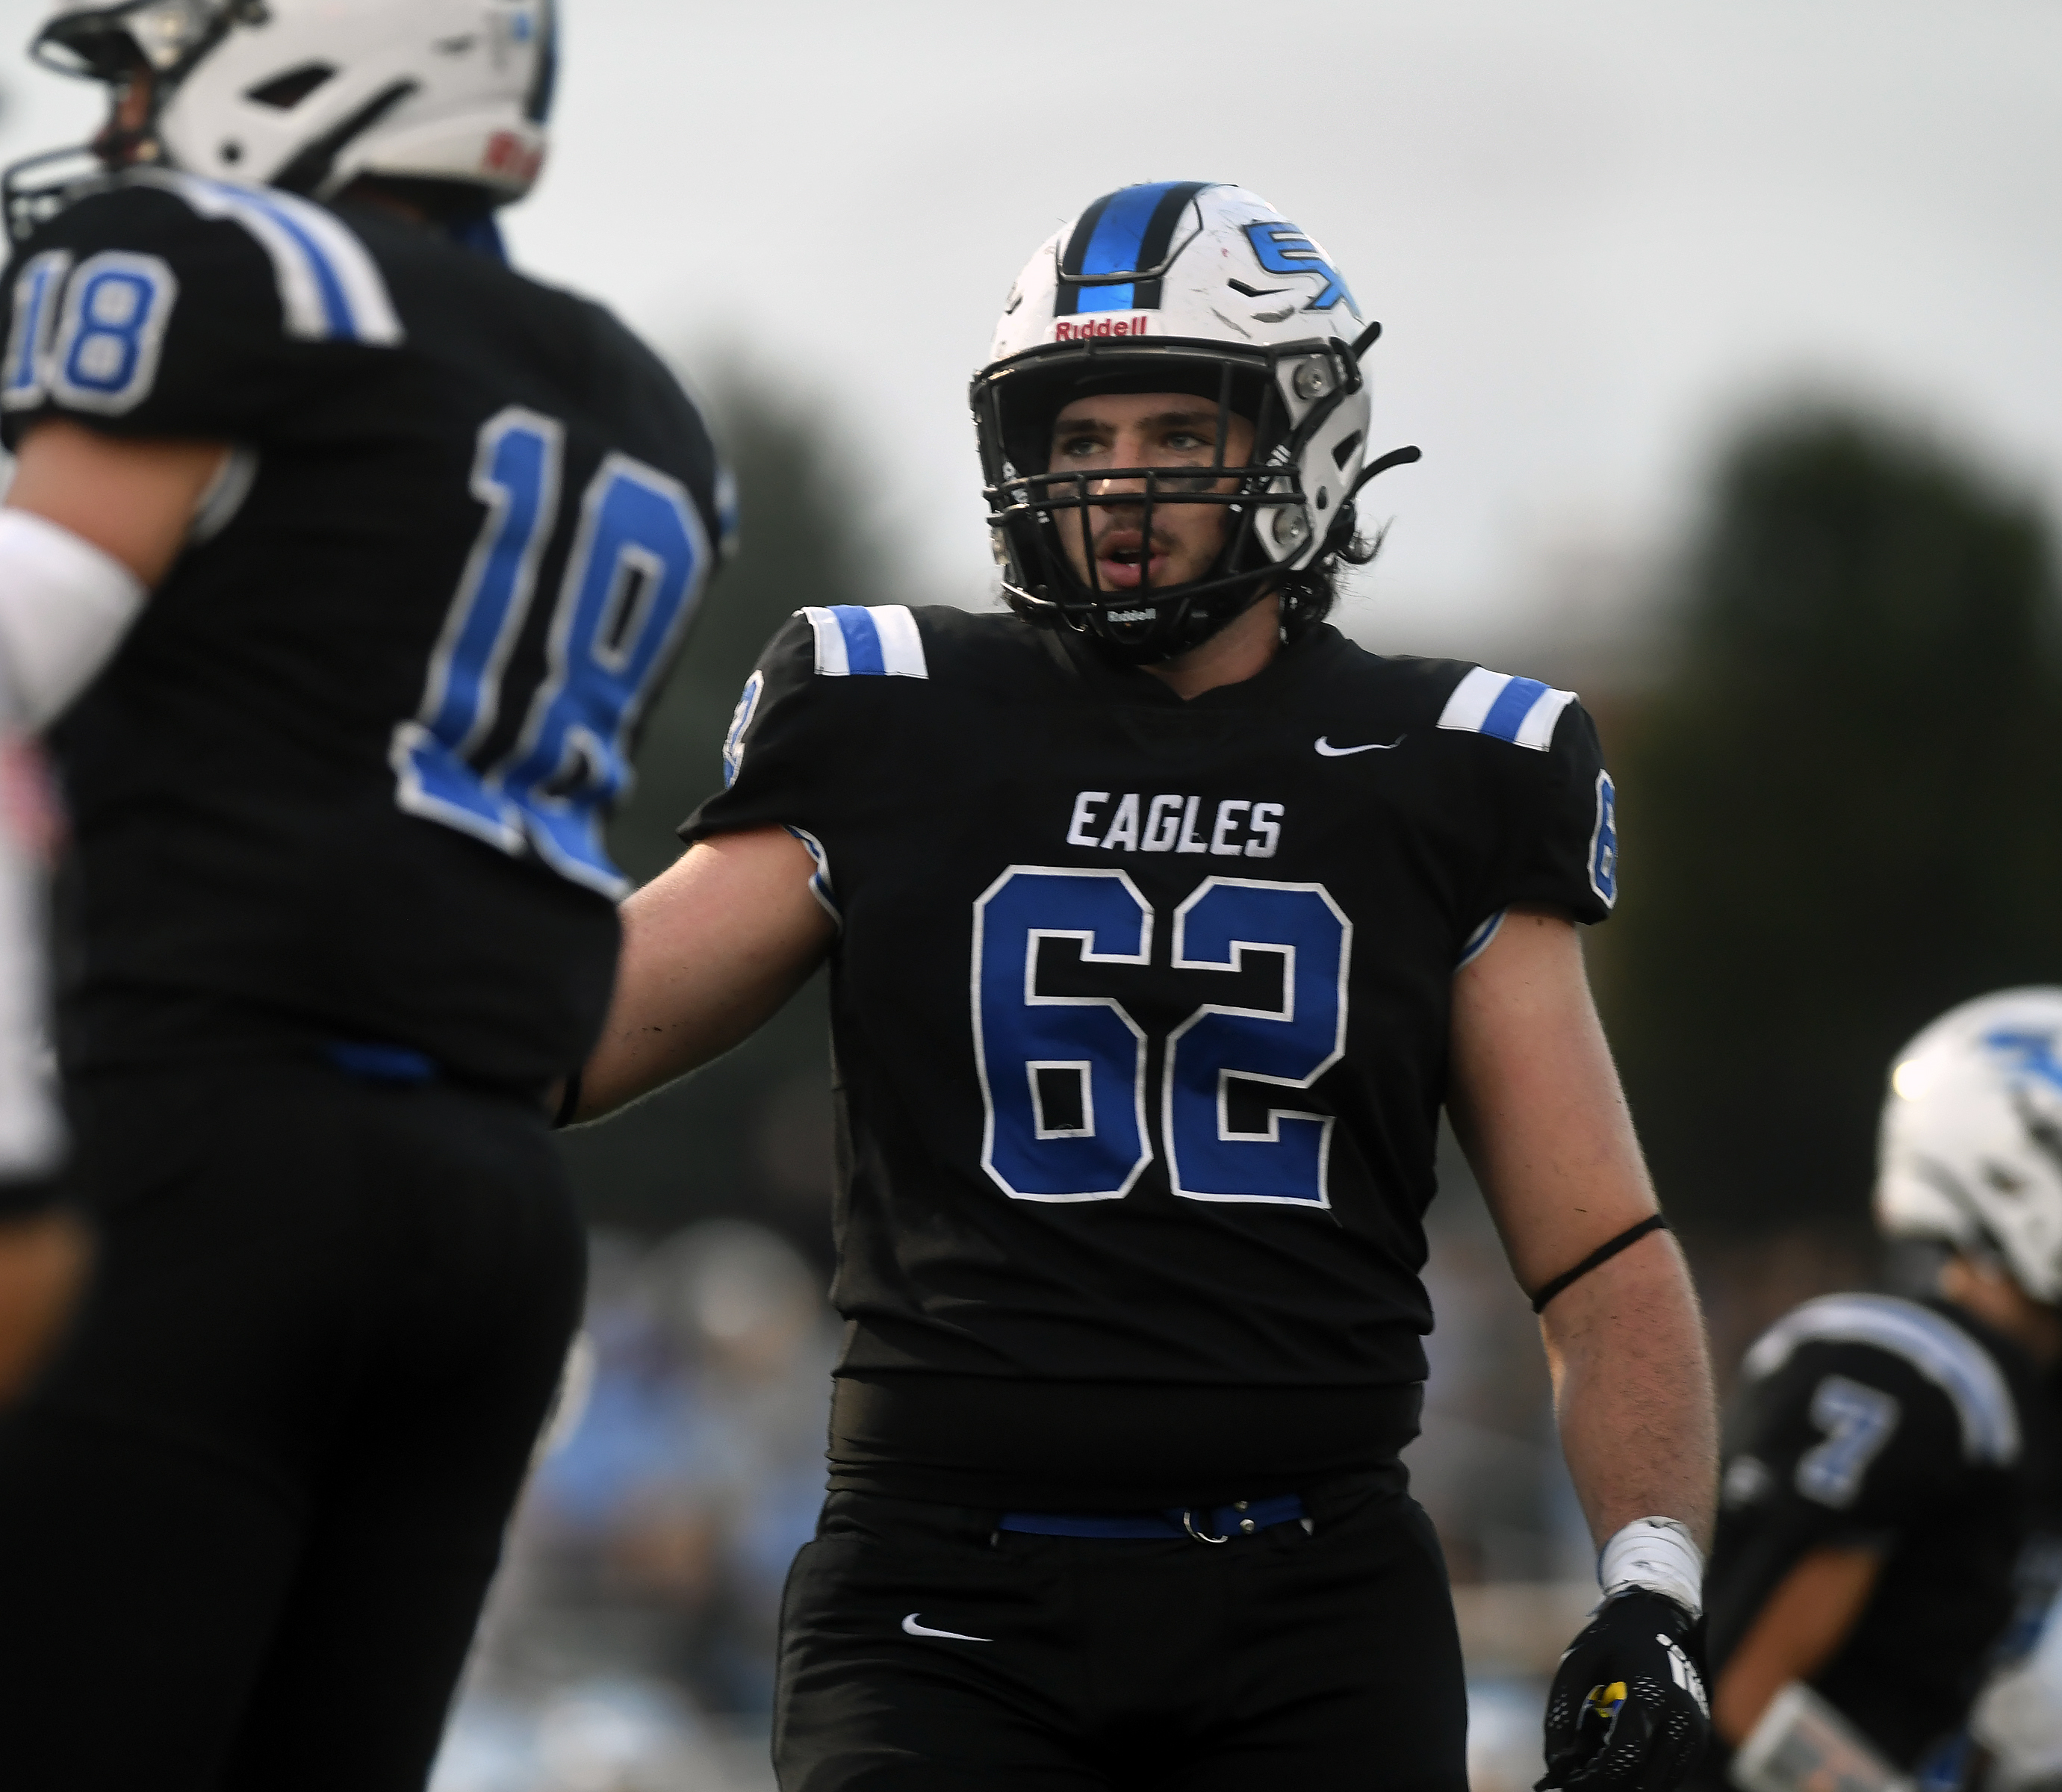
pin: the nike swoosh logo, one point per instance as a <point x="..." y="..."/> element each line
<point x="915" y="1629"/>
<point x="1326" y="750"/>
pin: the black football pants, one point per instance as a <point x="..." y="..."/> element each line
<point x="248" y="1522"/>
<point x="1286" y="1661"/>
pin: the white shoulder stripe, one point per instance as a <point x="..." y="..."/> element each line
<point x="1521" y="711"/>
<point x="331" y="289"/>
<point x="901" y="647"/>
<point x="855" y="640"/>
<point x="1939" y="1349"/>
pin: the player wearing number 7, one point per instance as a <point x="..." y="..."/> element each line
<point x="1162" y="922"/>
<point x="347" y="556"/>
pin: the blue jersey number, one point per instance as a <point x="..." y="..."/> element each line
<point x="1284" y="1156"/>
<point x="38" y="289"/>
<point x="635" y="573"/>
<point x="1063" y="1076"/>
<point x="116" y="307"/>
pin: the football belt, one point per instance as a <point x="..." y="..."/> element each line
<point x="1204" y="1525"/>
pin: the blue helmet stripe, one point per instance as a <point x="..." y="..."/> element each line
<point x="1120" y="233"/>
<point x="1130" y="231"/>
<point x="1107" y="298"/>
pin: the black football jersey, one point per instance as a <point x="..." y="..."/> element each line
<point x="1868" y="1420"/>
<point x="346" y="776"/>
<point x="1140" y="1006"/>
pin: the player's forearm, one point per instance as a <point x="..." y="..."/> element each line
<point x="711" y="949"/>
<point x="665" y="1022"/>
<point x="1632" y="1385"/>
<point x="1797" y="1630"/>
<point x="44" y="1260"/>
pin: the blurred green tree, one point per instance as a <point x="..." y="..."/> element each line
<point x="750" y="1134"/>
<point x="1843" y="811"/>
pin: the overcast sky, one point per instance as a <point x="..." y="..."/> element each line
<point x="1595" y="230"/>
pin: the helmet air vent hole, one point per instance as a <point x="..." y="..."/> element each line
<point x="1344" y="452"/>
<point x="283" y="92"/>
<point x="231" y="152"/>
<point x="1324" y="499"/>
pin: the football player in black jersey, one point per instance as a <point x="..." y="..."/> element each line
<point x="1880" y="1464"/>
<point x="1162" y="922"/>
<point x="347" y="557"/>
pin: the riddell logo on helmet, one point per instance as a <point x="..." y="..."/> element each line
<point x="1114" y="323"/>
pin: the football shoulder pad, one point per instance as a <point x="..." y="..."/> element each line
<point x="854" y="640"/>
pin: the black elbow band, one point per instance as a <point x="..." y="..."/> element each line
<point x="568" y="1103"/>
<point x="1603" y="1253"/>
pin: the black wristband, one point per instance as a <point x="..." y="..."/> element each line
<point x="568" y="1103"/>
<point x="1603" y="1254"/>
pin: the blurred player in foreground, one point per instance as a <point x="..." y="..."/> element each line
<point x="1162" y="920"/>
<point x="348" y="557"/>
<point x="1880" y="1466"/>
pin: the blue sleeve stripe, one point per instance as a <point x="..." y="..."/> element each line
<point x="1521" y="711"/>
<point x="1514" y="702"/>
<point x="820" y="886"/>
<point x="882" y="642"/>
<point x="733" y="743"/>
<point x="862" y="640"/>
<point x="1478" y="942"/>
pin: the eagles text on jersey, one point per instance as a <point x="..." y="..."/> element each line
<point x="347" y="775"/>
<point x="1140" y="1009"/>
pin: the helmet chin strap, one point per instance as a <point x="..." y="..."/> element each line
<point x="1193" y="622"/>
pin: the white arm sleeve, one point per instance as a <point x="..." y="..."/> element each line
<point x="1803" y="1744"/>
<point x="2019" y="1718"/>
<point x="64" y="608"/>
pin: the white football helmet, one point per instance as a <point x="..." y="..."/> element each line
<point x="309" y="94"/>
<point x="1179" y="286"/>
<point x="1971" y="1152"/>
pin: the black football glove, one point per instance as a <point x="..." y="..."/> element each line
<point x="1627" y="1711"/>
